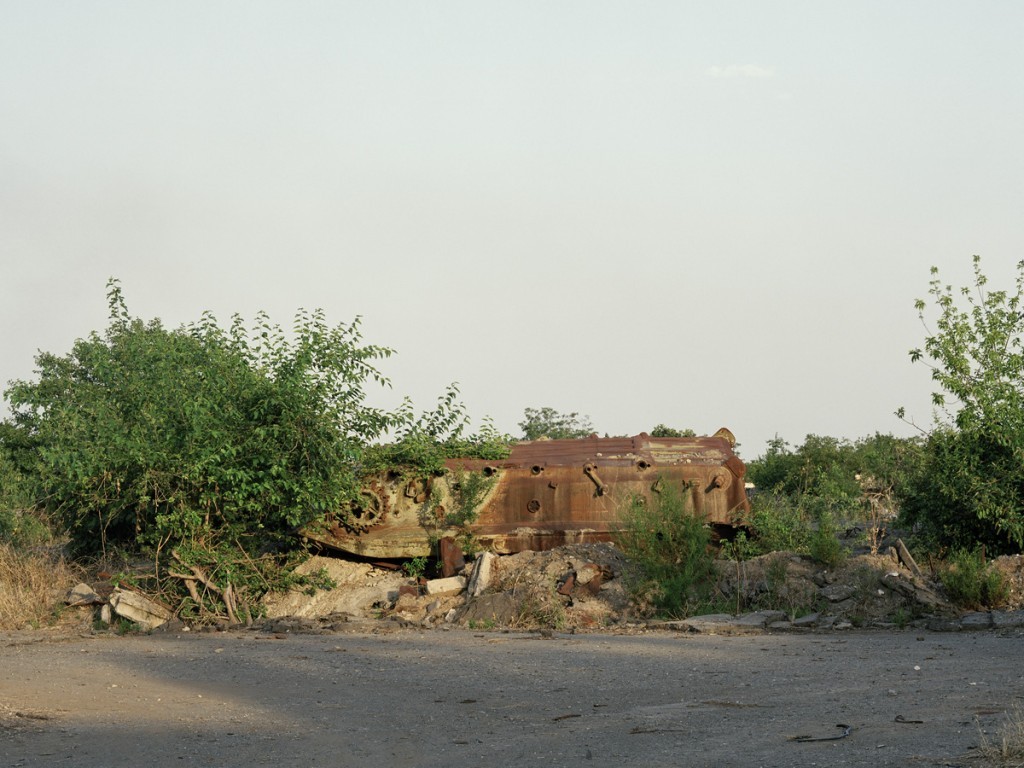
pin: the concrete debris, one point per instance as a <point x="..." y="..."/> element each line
<point x="453" y="585"/>
<point x="724" y="623"/>
<point x="837" y="593"/>
<point x="483" y="571"/>
<point x="147" y="613"/>
<point x="82" y="594"/>
<point x="1007" y="619"/>
<point x="362" y="591"/>
<point x="585" y="587"/>
<point x="906" y="558"/>
<point x="976" y="620"/>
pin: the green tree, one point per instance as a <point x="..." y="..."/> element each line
<point x="551" y="424"/>
<point x="152" y="438"/>
<point x="422" y="443"/>
<point x="968" y="488"/>
<point x="805" y="491"/>
<point x="665" y="431"/>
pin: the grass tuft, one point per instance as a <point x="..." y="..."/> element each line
<point x="1006" y="748"/>
<point x="33" y="583"/>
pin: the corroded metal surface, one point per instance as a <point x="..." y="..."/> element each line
<point x="545" y="494"/>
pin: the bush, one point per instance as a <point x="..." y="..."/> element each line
<point x="553" y="425"/>
<point x="670" y="546"/>
<point x="968" y="487"/>
<point x="970" y="582"/>
<point x="779" y="523"/>
<point x="202" y="447"/>
<point x="150" y="437"/>
<point x="20" y="524"/>
<point x="828" y="478"/>
<point x="424" y="442"/>
<point x="824" y="545"/>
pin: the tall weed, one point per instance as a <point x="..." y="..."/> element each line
<point x="32" y="585"/>
<point x="670" y="546"/>
<point x="970" y="582"/>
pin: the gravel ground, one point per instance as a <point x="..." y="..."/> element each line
<point x="378" y="696"/>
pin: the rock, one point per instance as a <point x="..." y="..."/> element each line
<point x="696" y="623"/>
<point x="810" y="620"/>
<point x="587" y="573"/>
<point x="174" y="625"/>
<point x="836" y="593"/>
<point x="82" y="594"/>
<point x="844" y="607"/>
<point x="941" y="624"/>
<point x="725" y="624"/>
<point x="147" y="613"/>
<point x="493" y="609"/>
<point x="1007" y="619"/>
<point x="976" y="620"/>
<point x="483" y="572"/>
<point x="913" y="589"/>
<point x="760" y="618"/>
<point x="450" y="586"/>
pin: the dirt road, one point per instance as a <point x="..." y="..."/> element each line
<point x="444" y="698"/>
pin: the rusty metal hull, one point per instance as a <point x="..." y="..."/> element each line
<point x="545" y="494"/>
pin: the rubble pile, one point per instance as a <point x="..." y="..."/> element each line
<point x="585" y="587"/>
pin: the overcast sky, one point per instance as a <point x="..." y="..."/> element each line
<point x="701" y="214"/>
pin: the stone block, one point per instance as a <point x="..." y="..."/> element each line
<point x="450" y="586"/>
<point x="140" y="609"/>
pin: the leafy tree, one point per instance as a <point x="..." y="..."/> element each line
<point x="664" y="431"/>
<point x="423" y="443"/>
<point x="549" y="423"/>
<point x="806" y="491"/>
<point x="831" y="468"/>
<point x="196" y="437"/>
<point x="968" y="488"/>
<point x="969" y="485"/>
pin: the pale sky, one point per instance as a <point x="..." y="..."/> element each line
<point x="701" y="214"/>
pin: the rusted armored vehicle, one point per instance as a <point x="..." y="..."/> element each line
<point x="546" y="493"/>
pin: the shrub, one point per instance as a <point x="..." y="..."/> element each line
<point x="824" y="545"/>
<point x="827" y="477"/>
<point x="551" y="424"/>
<point x="151" y="436"/>
<point x="202" y="447"/>
<point x="969" y="485"/>
<point x="970" y="582"/>
<point x="779" y="523"/>
<point x="670" y="546"/>
<point x="423" y="443"/>
<point x="21" y="525"/>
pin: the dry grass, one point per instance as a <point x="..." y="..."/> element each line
<point x="1006" y="746"/>
<point x="32" y="587"/>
